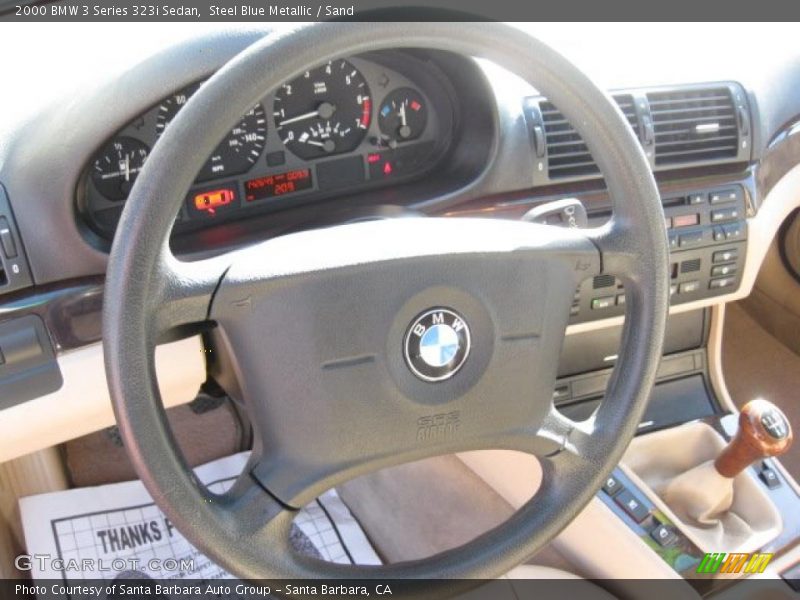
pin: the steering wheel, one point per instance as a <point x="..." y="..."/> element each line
<point x="365" y="345"/>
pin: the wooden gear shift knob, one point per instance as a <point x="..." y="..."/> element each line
<point x="764" y="431"/>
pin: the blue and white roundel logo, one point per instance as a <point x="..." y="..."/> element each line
<point x="437" y="344"/>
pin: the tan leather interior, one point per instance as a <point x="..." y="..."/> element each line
<point x="83" y="405"/>
<point x="791" y="242"/>
<point x="525" y="581"/>
<point x="35" y="473"/>
<point x="775" y="300"/>
<point x="533" y="581"/>
<point x="701" y="496"/>
<point x="418" y="509"/>
<point x="675" y="469"/>
<point x="597" y="543"/>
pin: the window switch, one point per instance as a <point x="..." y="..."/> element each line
<point x="632" y="505"/>
<point x="663" y="535"/>
<point x="769" y="477"/>
<point x="612" y="486"/>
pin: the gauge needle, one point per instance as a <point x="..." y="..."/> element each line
<point x="403" y="115"/>
<point x="324" y="111"/>
<point x="308" y="115"/>
<point x="127" y="167"/>
<point x="328" y="145"/>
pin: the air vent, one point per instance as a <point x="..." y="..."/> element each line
<point x="567" y="154"/>
<point x="690" y="266"/>
<point x="694" y="125"/>
<point x="603" y="281"/>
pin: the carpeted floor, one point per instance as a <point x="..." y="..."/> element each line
<point x="100" y="457"/>
<point x="755" y="365"/>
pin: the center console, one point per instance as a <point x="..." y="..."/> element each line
<point x="707" y="232"/>
<point x="682" y="391"/>
<point x="764" y="504"/>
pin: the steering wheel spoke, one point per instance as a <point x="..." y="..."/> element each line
<point x="573" y="437"/>
<point x="186" y="290"/>
<point x="247" y="502"/>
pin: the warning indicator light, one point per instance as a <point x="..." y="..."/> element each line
<point x="210" y="201"/>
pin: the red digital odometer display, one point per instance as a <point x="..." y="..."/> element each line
<point x="279" y="184"/>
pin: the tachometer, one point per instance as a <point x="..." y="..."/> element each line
<point x="117" y="165"/>
<point x="325" y="111"/>
<point x="237" y="152"/>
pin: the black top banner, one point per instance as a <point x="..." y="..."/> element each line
<point x="400" y="10"/>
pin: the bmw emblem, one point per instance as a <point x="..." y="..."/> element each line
<point x="437" y="344"/>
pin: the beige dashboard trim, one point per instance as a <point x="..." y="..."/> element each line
<point x="83" y="404"/>
<point x="715" y="359"/>
<point x="781" y="200"/>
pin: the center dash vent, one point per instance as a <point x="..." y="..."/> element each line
<point x="694" y="125"/>
<point x="567" y="154"/>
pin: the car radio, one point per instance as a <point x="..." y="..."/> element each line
<point x="707" y="232"/>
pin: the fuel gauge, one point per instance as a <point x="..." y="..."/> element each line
<point x="402" y="116"/>
<point x="117" y="166"/>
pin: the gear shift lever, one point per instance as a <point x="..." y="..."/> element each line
<point x="704" y="493"/>
<point x="763" y="432"/>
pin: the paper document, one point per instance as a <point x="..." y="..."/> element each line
<point x="116" y="530"/>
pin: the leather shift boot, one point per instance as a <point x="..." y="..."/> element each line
<point x="717" y="514"/>
<point x="700" y="496"/>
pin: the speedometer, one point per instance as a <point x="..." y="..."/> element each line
<point x="237" y="152"/>
<point x="323" y="112"/>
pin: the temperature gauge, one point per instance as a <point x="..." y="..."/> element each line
<point x="403" y="116"/>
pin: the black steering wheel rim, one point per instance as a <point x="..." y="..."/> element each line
<point x="147" y="290"/>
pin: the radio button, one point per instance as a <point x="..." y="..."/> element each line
<point x="727" y="214"/>
<point x="721" y="270"/>
<point x="687" y="287"/>
<point x="721" y="196"/>
<point x="733" y="232"/>
<point x="722" y="282"/>
<point x="725" y="256"/>
<point x="604" y="302"/>
<point x="691" y="238"/>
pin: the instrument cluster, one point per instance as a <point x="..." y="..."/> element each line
<point x="346" y="125"/>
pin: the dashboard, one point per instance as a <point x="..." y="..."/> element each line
<point x="348" y="125"/>
<point x="410" y="132"/>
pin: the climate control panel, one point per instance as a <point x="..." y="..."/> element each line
<point x="707" y="235"/>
